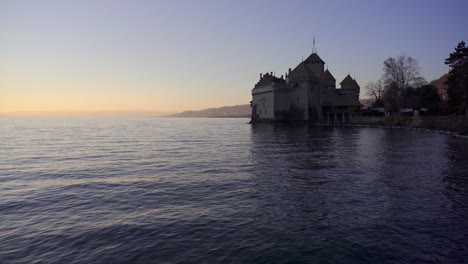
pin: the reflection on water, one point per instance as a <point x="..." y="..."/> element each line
<point x="364" y="194"/>
<point x="221" y="191"/>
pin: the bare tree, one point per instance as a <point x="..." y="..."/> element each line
<point x="401" y="73"/>
<point x="375" y="90"/>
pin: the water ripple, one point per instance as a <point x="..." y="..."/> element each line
<point x="150" y="190"/>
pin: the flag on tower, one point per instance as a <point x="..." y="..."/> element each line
<point x="313" y="48"/>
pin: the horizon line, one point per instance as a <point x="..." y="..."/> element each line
<point x="86" y="113"/>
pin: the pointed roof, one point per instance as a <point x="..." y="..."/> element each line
<point x="314" y="58"/>
<point x="348" y="80"/>
<point x="328" y="76"/>
<point x="302" y="72"/>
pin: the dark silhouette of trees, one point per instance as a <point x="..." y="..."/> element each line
<point x="376" y="90"/>
<point x="457" y="80"/>
<point x="400" y="74"/>
<point x="426" y="97"/>
<point x="430" y="98"/>
<point x="391" y="98"/>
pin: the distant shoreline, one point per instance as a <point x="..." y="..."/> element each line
<point x="235" y="111"/>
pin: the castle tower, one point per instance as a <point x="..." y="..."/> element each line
<point x="315" y="64"/>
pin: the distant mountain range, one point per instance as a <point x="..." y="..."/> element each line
<point x="225" y="111"/>
<point x="229" y="111"/>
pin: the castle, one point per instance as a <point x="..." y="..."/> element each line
<point x="306" y="94"/>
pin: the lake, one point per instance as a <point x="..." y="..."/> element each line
<point x="163" y="190"/>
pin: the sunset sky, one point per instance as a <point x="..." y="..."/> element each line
<point x="193" y="54"/>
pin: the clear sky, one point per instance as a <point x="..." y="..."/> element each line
<point x="176" y="55"/>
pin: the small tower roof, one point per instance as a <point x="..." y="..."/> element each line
<point x="314" y="58"/>
<point x="348" y="80"/>
<point x="328" y="76"/>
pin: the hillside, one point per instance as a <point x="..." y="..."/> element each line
<point x="225" y="111"/>
<point x="441" y="86"/>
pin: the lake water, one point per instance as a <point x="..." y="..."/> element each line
<point x="156" y="190"/>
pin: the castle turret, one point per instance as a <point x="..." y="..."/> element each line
<point x="349" y="83"/>
<point x="350" y="86"/>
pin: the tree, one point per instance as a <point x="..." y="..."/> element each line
<point x="426" y="97"/>
<point x="400" y="74"/>
<point x="457" y="80"/>
<point x="429" y="96"/>
<point x="390" y="98"/>
<point x="376" y="90"/>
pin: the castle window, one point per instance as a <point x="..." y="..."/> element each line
<point x="298" y="98"/>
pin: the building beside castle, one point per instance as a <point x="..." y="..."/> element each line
<point x="307" y="93"/>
